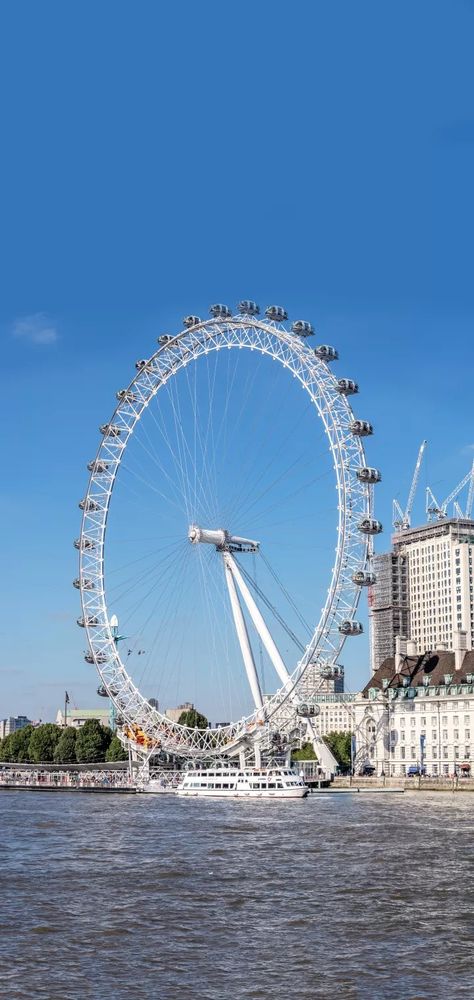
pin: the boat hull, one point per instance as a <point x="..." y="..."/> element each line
<point x="212" y="793"/>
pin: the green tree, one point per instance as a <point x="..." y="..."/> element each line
<point x="340" y="744"/>
<point x="42" y="743"/>
<point x="92" y="743"/>
<point x="6" y="752"/>
<point x="116" y="750"/>
<point x="20" y="745"/>
<point x="306" y="752"/>
<point x="65" y="749"/>
<point x="194" y="719"/>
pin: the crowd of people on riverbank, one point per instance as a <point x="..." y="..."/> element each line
<point x="37" y="778"/>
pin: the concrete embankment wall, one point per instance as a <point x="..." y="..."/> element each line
<point x="406" y="784"/>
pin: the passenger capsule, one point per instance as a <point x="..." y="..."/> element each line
<point x="220" y="311"/>
<point x="96" y="658"/>
<point x="101" y="690"/>
<point x="83" y="584"/>
<point x="84" y="544"/>
<point x="302" y="328"/>
<point x="141" y="364"/>
<point x="326" y="353"/>
<point x="277" y="313"/>
<point x="307" y="710"/>
<point x="351" y="627"/>
<point x="89" y="505"/>
<point x="164" y="338"/>
<point x="368" y="475"/>
<point x="369" y="526"/>
<point x="98" y="468"/>
<point x="363" y="579"/>
<point x="190" y="321"/>
<point x="347" y="387"/>
<point x="248" y="308"/>
<point x="87" y="622"/>
<point x="110" y="430"/>
<point x="126" y="396"/>
<point x="361" y="428"/>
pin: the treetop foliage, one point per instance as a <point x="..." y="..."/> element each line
<point x="48" y="743"/>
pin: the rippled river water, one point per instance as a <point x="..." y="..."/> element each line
<point x="347" y="896"/>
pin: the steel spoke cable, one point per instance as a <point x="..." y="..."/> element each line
<point x="272" y="608"/>
<point x="134" y="582"/>
<point x="285" y="592"/>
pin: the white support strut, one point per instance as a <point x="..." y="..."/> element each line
<point x="243" y="638"/>
<point x="257" y="619"/>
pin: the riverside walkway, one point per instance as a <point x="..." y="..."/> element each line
<point x="46" y="779"/>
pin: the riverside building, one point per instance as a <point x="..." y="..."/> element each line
<point x="417" y="712"/>
<point x="12" y="724"/>
<point x="424" y="589"/>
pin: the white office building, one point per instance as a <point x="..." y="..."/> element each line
<point x="424" y="588"/>
<point x="12" y="724"/>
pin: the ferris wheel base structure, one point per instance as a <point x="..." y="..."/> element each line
<point x="142" y="725"/>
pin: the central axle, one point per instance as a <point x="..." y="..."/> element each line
<point x="223" y="541"/>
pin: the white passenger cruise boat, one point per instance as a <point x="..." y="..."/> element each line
<point x="250" y="783"/>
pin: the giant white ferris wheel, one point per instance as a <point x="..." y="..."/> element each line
<point x="210" y="425"/>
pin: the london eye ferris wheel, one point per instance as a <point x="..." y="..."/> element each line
<point x="226" y="529"/>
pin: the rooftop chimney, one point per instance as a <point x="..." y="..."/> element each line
<point x="411" y="647"/>
<point x="460" y="648"/>
<point x="400" y="652"/>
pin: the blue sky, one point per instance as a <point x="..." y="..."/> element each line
<point x="157" y="158"/>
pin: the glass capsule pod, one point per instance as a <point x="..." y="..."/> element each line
<point x="361" y="428"/>
<point x="369" y="526"/>
<point x="110" y="430"/>
<point x="347" y="387"/>
<point x="90" y="622"/>
<point x="84" y="544"/>
<point x="126" y="396"/>
<point x="85" y="584"/>
<point x="98" y="468"/>
<point x="190" y="321"/>
<point x="368" y="475"/>
<point x="326" y="353"/>
<point x="248" y="308"/>
<point x="307" y="710"/>
<point x="277" y="313"/>
<point x="363" y="579"/>
<point x="164" y="338"/>
<point x="351" y="627"/>
<point x="141" y="364"/>
<point x="96" y="658"/>
<point x="302" y="328"/>
<point x="88" y="505"/>
<point x="220" y="311"/>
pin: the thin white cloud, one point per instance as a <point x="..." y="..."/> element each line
<point x="36" y="329"/>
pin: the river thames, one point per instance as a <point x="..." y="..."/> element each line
<point x="155" y="897"/>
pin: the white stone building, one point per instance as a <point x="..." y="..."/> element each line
<point x="418" y="711"/>
<point x="76" y="717"/>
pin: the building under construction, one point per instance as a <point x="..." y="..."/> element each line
<point x="424" y="587"/>
<point x="389" y="607"/>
